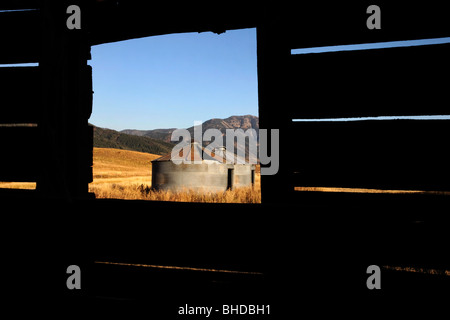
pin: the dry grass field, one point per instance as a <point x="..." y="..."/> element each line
<point x="122" y="174"/>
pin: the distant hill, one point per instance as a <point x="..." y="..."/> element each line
<point x="107" y="138"/>
<point x="233" y="122"/>
<point x="160" y="134"/>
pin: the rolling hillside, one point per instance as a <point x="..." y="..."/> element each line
<point x="112" y="163"/>
<point x="107" y="138"/>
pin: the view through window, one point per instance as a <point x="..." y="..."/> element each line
<point x="146" y="88"/>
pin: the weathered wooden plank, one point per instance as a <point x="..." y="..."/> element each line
<point x="67" y="102"/>
<point x="19" y="4"/>
<point x="19" y="150"/>
<point x="316" y="24"/>
<point x="381" y="82"/>
<point x="111" y="21"/>
<point x="394" y="154"/>
<point x="20" y="40"/>
<point x="307" y="24"/>
<point x="20" y="93"/>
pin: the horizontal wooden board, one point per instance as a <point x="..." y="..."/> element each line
<point x="393" y="155"/>
<point x="21" y="38"/>
<point x="328" y="23"/>
<point x="19" y="154"/>
<point x="380" y="82"/>
<point x="404" y="206"/>
<point x="19" y="4"/>
<point x="20" y="94"/>
<point x="111" y="21"/>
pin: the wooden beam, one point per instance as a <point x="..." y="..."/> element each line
<point x="20" y="94"/>
<point x="20" y="147"/>
<point x="111" y="21"/>
<point x="394" y="154"/>
<point x="20" y="39"/>
<point x="67" y="101"/>
<point x="19" y="4"/>
<point x="381" y="82"/>
<point x="316" y="24"/>
<point x="273" y="58"/>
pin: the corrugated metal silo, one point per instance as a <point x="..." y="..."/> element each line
<point x="210" y="173"/>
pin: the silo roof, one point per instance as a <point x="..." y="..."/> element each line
<point x="196" y="152"/>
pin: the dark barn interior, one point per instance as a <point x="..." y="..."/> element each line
<point x="305" y="246"/>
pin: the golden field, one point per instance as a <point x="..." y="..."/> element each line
<point x="123" y="174"/>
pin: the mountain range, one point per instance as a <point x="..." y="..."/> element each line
<point x="233" y="122"/>
<point x="158" y="141"/>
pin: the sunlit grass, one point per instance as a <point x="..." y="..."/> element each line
<point x="134" y="191"/>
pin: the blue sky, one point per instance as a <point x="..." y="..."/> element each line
<point x="173" y="80"/>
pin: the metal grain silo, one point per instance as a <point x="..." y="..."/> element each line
<point x="210" y="173"/>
